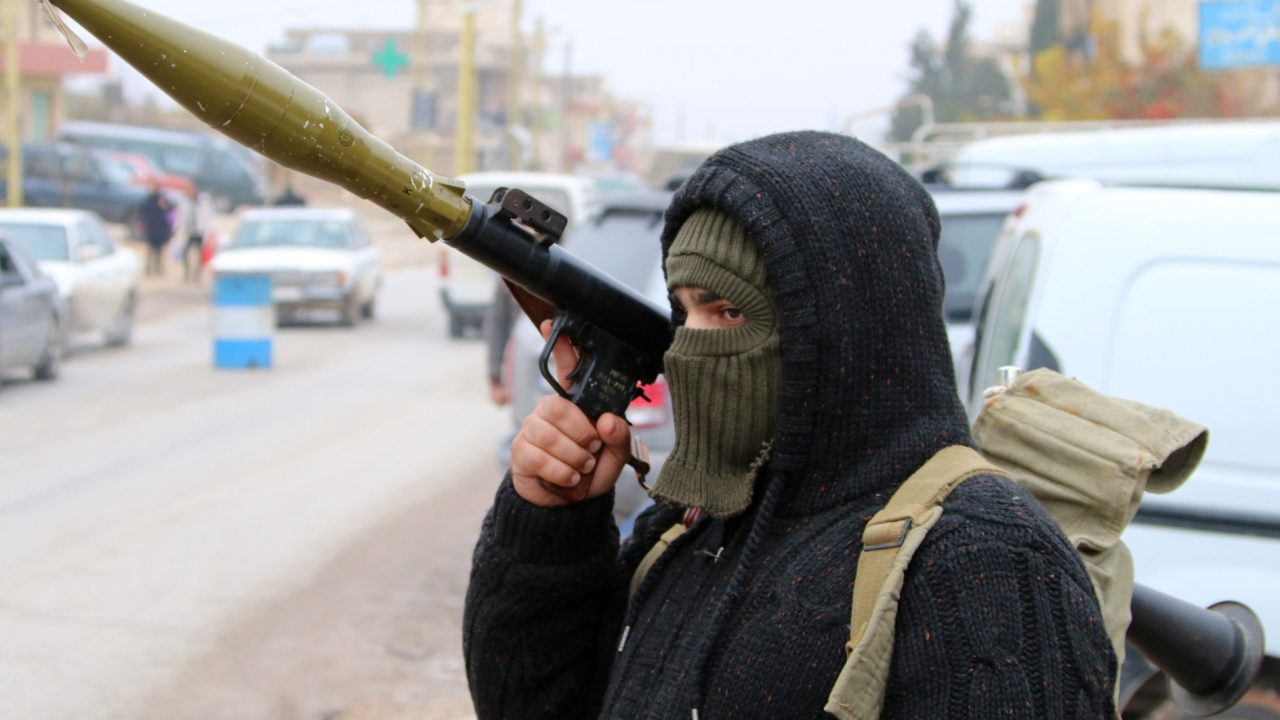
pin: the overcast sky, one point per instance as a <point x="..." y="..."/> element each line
<point x="715" y="70"/>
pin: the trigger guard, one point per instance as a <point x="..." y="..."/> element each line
<point x="544" y="358"/>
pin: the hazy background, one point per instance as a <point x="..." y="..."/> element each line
<point x="710" y="70"/>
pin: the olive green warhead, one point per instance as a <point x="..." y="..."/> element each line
<point x="260" y="105"/>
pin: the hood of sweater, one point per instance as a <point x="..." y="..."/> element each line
<point x="849" y="241"/>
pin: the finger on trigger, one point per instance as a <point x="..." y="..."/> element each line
<point x="568" y="418"/>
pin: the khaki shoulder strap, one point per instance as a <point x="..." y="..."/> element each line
<point x="889" y="540"/>
<point x="651" y="557"/>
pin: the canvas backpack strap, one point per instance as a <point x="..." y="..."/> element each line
<point x="889" y="540"/>
<point x="651" y="557"/>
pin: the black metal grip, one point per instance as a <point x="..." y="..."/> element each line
<point x="608" y="372"/>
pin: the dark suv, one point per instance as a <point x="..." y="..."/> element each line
<point x="71" y="176"/>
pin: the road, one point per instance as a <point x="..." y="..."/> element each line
<point x="182" y="542"/>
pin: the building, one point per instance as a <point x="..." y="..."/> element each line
<point x="45" y="59"/>
<point x="403" y="85"/>
<point x="1139" y="18"/>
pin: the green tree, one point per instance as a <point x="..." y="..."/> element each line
<point x="1045" y="32"/>
<point x="1165" y="82"/>
<point x="961" y="86"/>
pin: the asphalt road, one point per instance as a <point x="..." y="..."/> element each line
<point x="182" y="542"/>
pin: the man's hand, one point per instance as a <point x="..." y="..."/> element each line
<point x="499" y="393"/>
<point x="558" y="445"/>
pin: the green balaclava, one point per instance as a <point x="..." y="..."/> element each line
<point x="724" y="383"/>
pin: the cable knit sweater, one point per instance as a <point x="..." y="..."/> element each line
<point x="747" y="617"/>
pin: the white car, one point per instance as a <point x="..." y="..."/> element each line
<point x="971" y="221"/>
<point x="318" y="258"/>
<point x="97" y="280"/>
<point x="29" y="314"/>
<point x="1166" y="296"/>
<point x="466" y="286"/>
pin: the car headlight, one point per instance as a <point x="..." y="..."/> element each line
<point x="333" y="279"/>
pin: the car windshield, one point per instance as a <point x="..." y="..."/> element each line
<point x="117" y="171"/>
<point x="623" y="243"/>
<point x="292" y="232"/>
<point x="963" y="249"/>
<point x="46" y="242"/>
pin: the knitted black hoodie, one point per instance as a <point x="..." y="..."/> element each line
<point x="747" y="617"/>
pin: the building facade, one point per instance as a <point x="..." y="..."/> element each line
<point x="45" y="59"/>
<point x="403" y="85"/>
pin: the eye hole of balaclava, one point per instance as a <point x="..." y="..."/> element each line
<point x="724" y="383"/>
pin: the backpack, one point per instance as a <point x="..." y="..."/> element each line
<point x="1085" y="456"/>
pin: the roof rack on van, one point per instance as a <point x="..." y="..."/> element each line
<point x="980" y="176"/>
<point x="1189" y="185"/>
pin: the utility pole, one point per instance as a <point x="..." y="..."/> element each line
<point x="566" y="86"/>
<point x="515" y="118"/>
<point x="13" y="98"/>
<point x="421" y="83"/>
<point x="535" y="129"/>
<point x="465" y="135"/>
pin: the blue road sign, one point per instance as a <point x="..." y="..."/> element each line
<point x="1239" y="33"/>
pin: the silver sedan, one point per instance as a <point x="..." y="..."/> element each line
<point x="30" y="314"/>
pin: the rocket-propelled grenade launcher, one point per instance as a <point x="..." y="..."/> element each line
<point x="620" y="336"/>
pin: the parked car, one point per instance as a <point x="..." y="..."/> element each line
<point x="620" y="238"/>
<point x="30" y="314"/>
<point x="611" y="181"/>
<point x="318" y="258"/>
<point x="466" y="286"/>
<point x="1243" y="154"/>
<point x="211" y="162"/>
<point x="1166" y="296"/>
<point x="145" y="175"/>
<point x="97" y="280"/>
<point x="70" y="176"/>
<point x="971" y="221"/>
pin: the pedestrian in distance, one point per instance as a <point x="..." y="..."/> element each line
<point x="810" y="375"/>
<point x="157" y="227"/>
<point x="499" y="321"/>
<point x="289" y="198"/>
<point x="194" y="223"/>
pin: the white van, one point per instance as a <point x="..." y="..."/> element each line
<point x="1229" y="154"/>
<point x="1169" y="297"/>
<point x="971" y="220"/>
<point x="466" y="286"/>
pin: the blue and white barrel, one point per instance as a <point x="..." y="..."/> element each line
<point x="244" y="321"/>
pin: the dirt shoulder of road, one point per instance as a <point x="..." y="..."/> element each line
<point x="374" y="636"/>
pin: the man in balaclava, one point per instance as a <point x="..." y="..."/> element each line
<point x="810" y="375"/>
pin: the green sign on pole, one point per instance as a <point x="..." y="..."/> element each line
<point x="390" y="59"/>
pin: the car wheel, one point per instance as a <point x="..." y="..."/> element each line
<point x="122" y="329"/>
<point x="350" y="310"/>
<point x="369" y="309"/>
<point x="51" y="360"/>
<point x="457" y="326"/>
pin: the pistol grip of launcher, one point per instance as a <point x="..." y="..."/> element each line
<point x="605" y="380"/>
